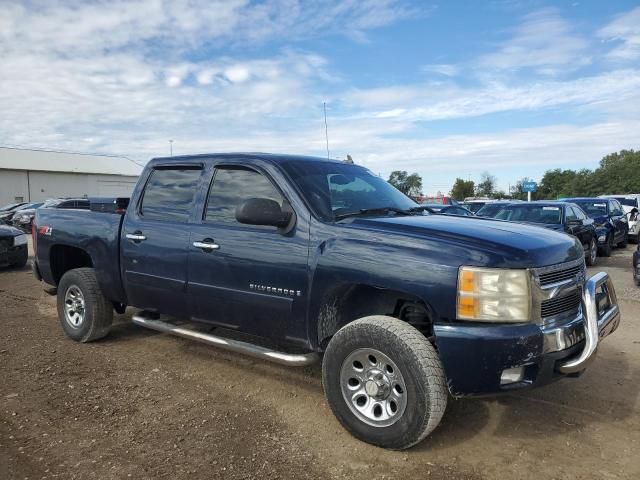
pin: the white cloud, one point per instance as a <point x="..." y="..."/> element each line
<point x="624" y="30"/>
<point x="446" y="69"/>
<point x="426" y="102"/>
<point x="544" y="42"/>
<point x="125" y="76"/>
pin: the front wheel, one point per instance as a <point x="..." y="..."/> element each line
<point x="592" y="254"/>
<point x="605" y="250"/>
<point x="384" y="382"/>
<point x="84" y="312"/>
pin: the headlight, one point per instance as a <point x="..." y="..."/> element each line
<point x="493" y="295"/>
<point x="19" y="240"/>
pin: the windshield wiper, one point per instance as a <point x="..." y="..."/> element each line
<point x="382" y="210"/>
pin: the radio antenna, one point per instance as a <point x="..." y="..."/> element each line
<point x="326" y="130"/>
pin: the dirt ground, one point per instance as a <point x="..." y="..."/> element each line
<point x="140" y="404"/>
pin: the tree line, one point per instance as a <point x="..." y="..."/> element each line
<point x="618" y="172"/>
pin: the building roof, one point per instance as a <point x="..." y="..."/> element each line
<point x="12" y="158"/>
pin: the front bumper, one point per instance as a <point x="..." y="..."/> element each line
<point x="12" y="255"/>
<point x="475" y="356"/>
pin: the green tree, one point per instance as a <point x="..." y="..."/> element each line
<point x="407" y="184"/>
<point x="487" y="185"/>
<point x="462" y="189"/>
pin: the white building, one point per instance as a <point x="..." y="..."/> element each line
<point x="28" y="175"/>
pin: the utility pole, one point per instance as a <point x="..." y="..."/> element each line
<point x="171" y="148"/>
<point x="326" y="129"/>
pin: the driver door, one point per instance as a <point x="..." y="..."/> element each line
<point x="248" y="277"/>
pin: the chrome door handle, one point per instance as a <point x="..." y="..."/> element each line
<point x="206" y="246"/>
<point x="136" y="237"/>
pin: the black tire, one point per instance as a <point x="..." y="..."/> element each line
<point x="624" y="243"/>
<point x="425" y="384"/>
<point x="592" y="254"/>
<point x="22" y="260"/>
<point x="97" y="312"/>
<point x="605" y="251"/>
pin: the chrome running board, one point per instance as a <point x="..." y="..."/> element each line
<point x="292" y="360"/>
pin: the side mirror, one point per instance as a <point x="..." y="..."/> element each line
<point x="262" y="211"/>
<point x="573" y="223"/>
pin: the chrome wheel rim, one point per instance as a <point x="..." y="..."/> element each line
<point x="373" y="387"/>
<point x="74" y="306"/>
<point x="593" y="253"/>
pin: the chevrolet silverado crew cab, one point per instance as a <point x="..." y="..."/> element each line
<point x="296" y="259"/>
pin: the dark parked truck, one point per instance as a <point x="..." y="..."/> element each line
<point x="296" y="259"/>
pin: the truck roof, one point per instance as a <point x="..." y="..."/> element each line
<point x="270" y="157"/>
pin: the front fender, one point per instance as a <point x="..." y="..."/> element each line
<point x="338" y="263"/>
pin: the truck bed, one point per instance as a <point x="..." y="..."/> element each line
<point x="60" y="231"/>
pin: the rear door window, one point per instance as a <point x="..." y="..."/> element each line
<point x="169" y="193"/>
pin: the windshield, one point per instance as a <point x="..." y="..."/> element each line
<point x="628" y="202"/>
<point x="336" y="189"/>
<point x="474" y="206"/>
<point x="594" y="208"/>
<point x="52" y="202"/>
<point x="549" y="215"/>
<point x="490" y="209"/>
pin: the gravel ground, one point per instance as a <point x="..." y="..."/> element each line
<point x="145" y="405"/>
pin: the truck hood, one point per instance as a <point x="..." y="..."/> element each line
<point x="7" y="231"/>
<point x="484" y="241"/>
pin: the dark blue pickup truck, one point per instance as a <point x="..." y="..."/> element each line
<point x="296" y="259"/>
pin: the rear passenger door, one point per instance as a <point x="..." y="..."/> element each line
<point x="155" y="240"/>
<point x="252" y="278"/>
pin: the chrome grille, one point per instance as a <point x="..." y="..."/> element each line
<point x="557" y="292"/>
<point x="567" y="305"/>
<point x="551" y="277"/>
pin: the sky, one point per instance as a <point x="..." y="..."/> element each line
<point x="450" y="89"/>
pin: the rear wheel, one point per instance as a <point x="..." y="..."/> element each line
<point x="384" y="382"/>
<point x="624" y="243"/>
<point x="84" y="312"/>
<point x="592" y="254"/>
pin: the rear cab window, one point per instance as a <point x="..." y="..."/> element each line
<point x="169" y="193"/>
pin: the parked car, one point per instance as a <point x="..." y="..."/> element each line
<point x="439" y="209"/>
<point x="631" y="205"/>
<point x="559" y="216"/>
<point x="13" y="247"/>
<point x="636" y="265"/>
<point x="321" y="256"/>
<point x="7" y="211"/>
<point x="23" y="218"/>
<point x="474" y="204"/>
<point x="634" y="226"/>
<point x="491" y="208"/>
<point x="610" y="221"/>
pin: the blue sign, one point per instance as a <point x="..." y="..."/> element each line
<point x="529" y="186"/>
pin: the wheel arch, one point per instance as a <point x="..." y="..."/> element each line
<point x="348" y="302"/>
<point x="63" y="258"/>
